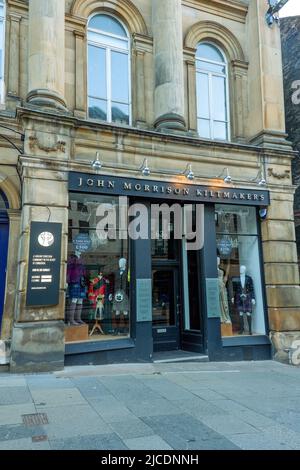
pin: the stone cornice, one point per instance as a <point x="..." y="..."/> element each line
<point x="19" y="6"/>
<point x="231" y="9"/>
<point x="172" y="138"/>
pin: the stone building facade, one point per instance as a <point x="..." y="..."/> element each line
<point x="182" y="101"/>
<point x="290" y="35"/>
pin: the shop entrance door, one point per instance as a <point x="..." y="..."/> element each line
<point x="166" y="304"/>
<point x="4" y="230"/>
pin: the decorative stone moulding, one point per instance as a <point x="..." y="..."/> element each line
<point x="280" y="176"/>
<point x="34" y="143"/>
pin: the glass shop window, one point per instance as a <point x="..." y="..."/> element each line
<point x="98" y="274"/>
<point x="239" y="270"/>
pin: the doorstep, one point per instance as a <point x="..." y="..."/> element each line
<point x="178" y="356"/>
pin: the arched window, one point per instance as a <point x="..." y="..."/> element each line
<point x="109" y="96"/>
<point x="212" y="93"/>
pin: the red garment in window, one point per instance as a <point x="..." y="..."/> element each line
<point x="97" y="290"/>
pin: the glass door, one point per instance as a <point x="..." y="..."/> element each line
<point x="166" y="308"/>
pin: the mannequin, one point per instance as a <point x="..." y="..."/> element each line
<point x="120" y="299"/>
<point x="243" y="297"/>
<point x="97" y="293"/>
<point x="76" y="290"/>
<point x="225" y="317"/>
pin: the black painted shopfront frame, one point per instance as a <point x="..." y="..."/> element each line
<point x="140" y="346"/>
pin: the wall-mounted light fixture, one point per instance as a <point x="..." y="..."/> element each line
<point x="145" y="168"/>
<point x="227" y="178"/>
<point x="272" y="14"/>
<point x="189" y="174"/>
<point x="97" y="164"/>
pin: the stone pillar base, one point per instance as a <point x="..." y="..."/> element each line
<point x="286" y="346"/>
<point x="170" y="121"/>
<point x="271" y="139"/>
<point x="47" y="99"/>
<point x="37" y="347"/>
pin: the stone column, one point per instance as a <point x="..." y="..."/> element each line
<point x="281" y="273"/>
<point x="80" y="73"/>
<point x="11" y="273"/>
<point x="191" y="91"/>
<point x="168" y="57"/>
<point x="239" y="72"/>
<point x="14" y="56"/>
<point x="266" y="119"/>
<point x="46" y="55"/>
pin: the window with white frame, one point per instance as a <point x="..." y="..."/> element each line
<point x="2" y="49"/>
<point x="212" y="93"/>
<point x="109" y="95"/>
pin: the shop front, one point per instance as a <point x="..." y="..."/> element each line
<point x="139" y="282"/>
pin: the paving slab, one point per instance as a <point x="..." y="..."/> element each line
<point x="131" y="428"/>
<point x="57" y="397"/>
<point x="91" y="442"/>
<point x="228" y="425"/>
<point x="147" y="443"/>
<point x="24" y="444"/>
<point x="19" y="431"/>
<point x="71" y="421"/>
<point x="258" y="441"/>
<point x="14" y="395"/>
<point x="12" y="414"/>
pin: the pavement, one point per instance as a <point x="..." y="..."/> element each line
<point x="183" y="406"/>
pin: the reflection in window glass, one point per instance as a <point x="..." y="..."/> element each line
<point x="120" y="113"/>
<point x="240" y="287"/>
<point x="98" y="276"/>
<point x="108" y="70"/>
<point x="163" y="305"/>
<point x="97" y="72"/>
<point x="212" y="100"/>
<point x="203" y="98"/>
<point x="119" y="82"/>
<point x="97" y="109"/>
<point x="107" y="24"/>
<point x="209" y="52"/>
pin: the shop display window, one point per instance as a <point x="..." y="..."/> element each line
<point x="98" y="275"/>
<point x="239" y="271"/>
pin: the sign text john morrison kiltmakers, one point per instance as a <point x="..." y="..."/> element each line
<point x="163" y="190"/>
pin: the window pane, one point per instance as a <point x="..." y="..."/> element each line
<point x="241" y="300"/>
<point x="119" y="77"/>
<point x="210" y="52"/>
<point x="240" y="289"/>
<point x="237" y="220"/>
<point x="219" y="98"/>
<point x="98" y="277"/>
<point x="97" y="72"/>
<point x="120" y="113"/>
<point x="163" y="306"/>
<point x="193" y="280"/>
<point x="220" y="130"/>
<point x="105" y="40"/>
<point x="204" y="128"/>
<point x="210" y="67"/>
<point x="202" y="95"/>
<point x="107" y="24"/>
<point x="97" y="109"/>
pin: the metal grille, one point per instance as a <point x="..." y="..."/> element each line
<point x="36" y="419"/>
